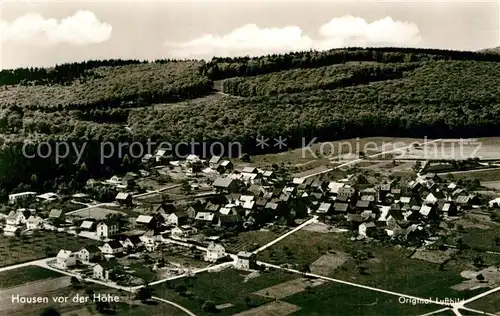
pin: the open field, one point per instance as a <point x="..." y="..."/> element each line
<point x="482" y="175"/>
<point x="292" y="249"/>
<point x="127" y="306"/>
<point x="42" y="288"/>
<point x="15" y="250"/>
<point x="276" y="308"/>
<point x="376" y="265"/>
<point x="491" y="184"/>
<point x="339" y="299"/>
<point x="95" y="212"/>
<point x="289" y="288"/>
<point x="485" y="149"/>
<point x="249" y="241"/>
<point x="227" y="286"/>
<point x="489" y="303"/>
<point x="483" y="239"/>
<point x="25" y="275"/>
<point x="326" y="151"/>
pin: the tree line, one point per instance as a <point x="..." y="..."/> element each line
<point x="225" y="67"/>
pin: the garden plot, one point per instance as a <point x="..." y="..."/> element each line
<point x="326" y="264"/>
<point x="276" y="308"/>
<point x="289" y="288"/>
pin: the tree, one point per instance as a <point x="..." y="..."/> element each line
<point x="248" y="301"/>
<point x="478" y="261"/>
<point x="75" y="282"/>
<point x="185" y="187"/>
<point x="144" y="294"/>
<point x="50" y="311"/>
<point x="305" y="268"/>
<point x="209" y="307"/>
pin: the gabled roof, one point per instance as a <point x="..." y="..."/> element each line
<point x="63" y="254"/>
<point x="405" y="199"/>
<point x="55" y="213"/>
<point x="211" y="207"/>
<point x="335" y="186"/>
<point x="249" y="170"/>
<point x="228" y="220"/>
<point x="363" y="204"/>
<point x="324" y="207"/>
<point x="34" y="219"/>
<point x="245" y="255"/>
<point x="268" y="173"/>
<point x="462" y="199"/>
<point x="272" y="206"/>
<point x="144" y="219"/>
<point x="215" y="159"/>
<point x="91" y="249"/>
<point x="369" y="225"/>
<point x="180" y="214"/>
<point x="223" y="182"/>
<point x="205" y="216"/>
<point x="225" y="163"/>
<point x="122" y="196"/>
<point x="87" y="224"/>
<point x="425" y="210"/>
<point x="340" y="207"/>
<point x="135" y="239"/>
<point x="114" y="244"/>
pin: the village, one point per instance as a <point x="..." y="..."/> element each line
<point x="177" y="218"/>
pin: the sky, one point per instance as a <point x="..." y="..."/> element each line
<point x="45" y="33"/>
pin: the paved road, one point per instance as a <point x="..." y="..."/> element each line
<point x="371" y="156"/>
<point x="311" y="220"/>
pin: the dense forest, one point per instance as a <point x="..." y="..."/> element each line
<point x="330" y="95"/>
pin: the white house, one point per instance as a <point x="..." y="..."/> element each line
<point x="106" y="229"/>
<point x="177" y="218"/>
<point x="192" y="158"/>
<point x="47" y="196"/>
<point x="112" y="247"/>
<point x="101" y="271"/>
<point x="10" y="230"/>
<point x="215" y="252"/>
<point x="177" y="232"/>
<point x="89" y="253"/>
<point x="65" y="259"/>
<point x="245" y="260"/>
<point x="132" y="242"/>
<point x="17" y="218"/>
<point x="20" y="196"/>
<point x="34" y="222"/>
<point x="364" y="227"/>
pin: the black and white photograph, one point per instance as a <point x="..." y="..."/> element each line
<point x="249" y="157"/>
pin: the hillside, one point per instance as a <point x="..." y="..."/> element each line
<point x="331" y="95"/>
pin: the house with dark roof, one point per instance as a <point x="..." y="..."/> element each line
<point x="178" y="218"/>
<point x="134" y="241"/>
<point x="56" y="215"/>
<point x="226" y="184"/>
<point x="229" y="221"/>
<point x="112" y="247"/>
<point x="102" y="270"/>
<point x="340" y="207"/>
<point x="124" y="198"/>
<point x="89" y="253"/>
<point x="362" y="205"/>
<point x="324" y="208"/>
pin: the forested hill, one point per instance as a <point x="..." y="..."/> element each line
<point x="330" y="95"/>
